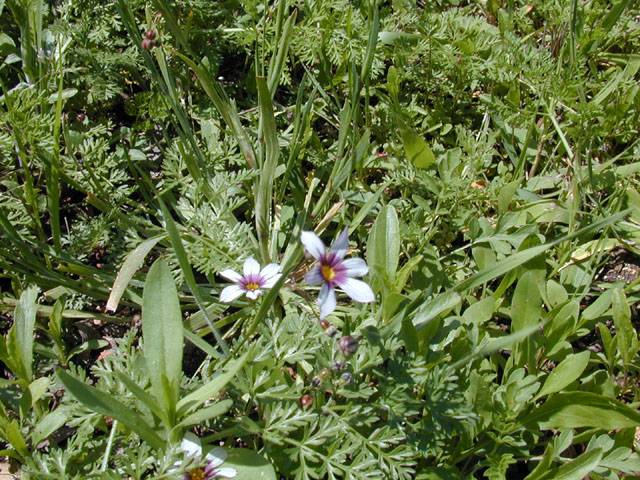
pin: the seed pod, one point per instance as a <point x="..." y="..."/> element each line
<point x="348" y="346"/>
<point x="306" y="401"/>
<point x="150" y="34"/>
<point x="331" y="331"/>
<point x="339" y="365"/>
<point x="324" y="324"/>
<point x="81" y="117"/>
<point x="147" y="44"/>
<point x="347" y="377"/>
<point x="318" y="379"/>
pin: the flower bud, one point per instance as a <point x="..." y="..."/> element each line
<point x="150" y="34"/>
<point x="306" y="401"/>
<point x="348" y="346"/>
<point x="147" y="44"/>
<point x="318" y="379"/>
<point x="324" y="324"/>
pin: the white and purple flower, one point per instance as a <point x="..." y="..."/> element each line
<point x="251" y="282"/>
<point x="332" y="270"/>
<point x="193" y="464"/>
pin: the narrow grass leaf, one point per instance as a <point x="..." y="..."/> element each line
<point x="131" y="264"/>
<point x="105" y="404"/>
<point x="211" y="389"/>
<point x="25" y="321"/>
<point x="203" y="414"/>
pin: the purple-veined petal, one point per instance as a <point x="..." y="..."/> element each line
<point x="253" y="294"/>
<point x="216" y="457"/>
<point x="229" y="294"/>
<point x="271" y="281"/>
<point x="314" y="276"/>
<point x="358" y="290"/>
<point x="327" y="300"/>
<point x="313" y="244"/>
<point x="270" y="271"/>
<point x="226" y="472"/>
<point x="191" y="445"/>
<point x="231" y="275"/>
<point x="341" y="245"/>
<point x="251" y="267"/>
<point x="356" y="267"/>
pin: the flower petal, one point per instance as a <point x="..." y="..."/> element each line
<point x="251" y="267"/>
<point x="327" y="300"/>
<point x="358" y="290"/>
<point x="313" y="244"/>
<point x="231" y="275"/>
<point x="314" y="276"/>
<point x="230" y="293"/>
<point x="356" y="267"/>
<point x="216" y="456"/>
<point x="253" y="294"/>
<point x="341" y="245"/>
<point x="269" y="271"/>
<point x="226" y="472"/>
<point x="191" y="445"/>
<point x="269" y="283"/>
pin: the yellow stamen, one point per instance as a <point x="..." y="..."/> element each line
<point x="252" y="286"/>
<point x="328" y="273"/>
<point x="197" y="474"/>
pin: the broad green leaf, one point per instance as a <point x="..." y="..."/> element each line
<point x="131" y="264"/>
<point x="442" y="303"/>
<point x="203" y="414"/>
<point x="383" y="247"/>
<point x="565" y="372"/>
<point x="526" y="305"/>
<point x="249" y="465"/>
<point x="626" y="336"/>
<point x="48" y="424"/>
<point x="416" y="148"/>
<point x="543" y="465"/>
<point x="403" y="274"/>
<point x="16" y="440"/>
<point x="506" y="195"/>
<point x="25" y="320"/>
<point x="582" y="409"/>
<point x="104" y="404"/>
<point x="513" y="261"/>
<point x="162" y="330"/>
<point x="211" y="389"/>
<point x="480" y="312"/>
<point x="93" y="344"/>
<point x="576" y="469"/>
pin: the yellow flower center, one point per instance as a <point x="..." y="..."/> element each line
<point x="252" y="286"/>
<point x="328" y="273"/>
<point x="197" y="474"/>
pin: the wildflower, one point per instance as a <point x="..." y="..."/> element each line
<point x="251" y="282"/>
<point x="332" y="270"/>
<point x="192" y="447"/>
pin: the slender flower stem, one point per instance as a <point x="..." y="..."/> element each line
<point x="107" y="452"/>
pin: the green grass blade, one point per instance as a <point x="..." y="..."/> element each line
<point x="264" y="195"/>
<point x="104" y="404"/>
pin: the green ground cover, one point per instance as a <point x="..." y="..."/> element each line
<point x="467" y="305"/>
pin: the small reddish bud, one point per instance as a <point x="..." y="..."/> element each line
<point x="147" y="44"/>
<point x="324" y="324"/>
<point x="150" y="34"/>
<point x="81" y="117"/>
<point x="306" y="401"/>
<point x="348" y="346"/>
